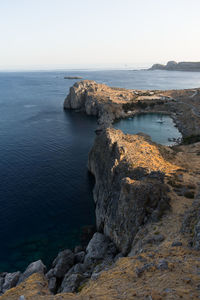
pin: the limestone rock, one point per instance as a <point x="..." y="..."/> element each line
<point x="129" y="187"/>
<point x="71" y="283"/>
<point x="34" y="267"/>
<point x="99" y="248"/>
<point x="52" y="284"/>
<point x="62" y="263"/>
<point x="79" y="257"/>
<point x="10" y="280"/>
<point x="2" y="278"/>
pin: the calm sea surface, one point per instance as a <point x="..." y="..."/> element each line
<point x="160" y="127"/>
<point x="45" y="189"/>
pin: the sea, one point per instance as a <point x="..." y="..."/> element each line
<point x="45" y="188"/>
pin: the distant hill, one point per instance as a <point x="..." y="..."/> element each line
<point x="180" y="66"/>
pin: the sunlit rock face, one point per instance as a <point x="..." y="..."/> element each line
<point x="129" y="190"/>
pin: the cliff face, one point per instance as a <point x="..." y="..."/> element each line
<point x="129" y="190"/>
<point x="181" y="66"/>
<point x="96" y="99"/>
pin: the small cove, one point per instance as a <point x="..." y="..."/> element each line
<point x="160" y="127"/>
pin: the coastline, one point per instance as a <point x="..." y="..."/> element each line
<point x="164" y="175"/>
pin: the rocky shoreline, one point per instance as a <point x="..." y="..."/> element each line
<point x="147" y="199"/>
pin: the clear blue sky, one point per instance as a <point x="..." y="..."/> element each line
<point x="79" y="33"/>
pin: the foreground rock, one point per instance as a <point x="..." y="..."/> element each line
<point x="99" y="248"/>
<point x="10" y="280"/>
<point x="34" y="267"/>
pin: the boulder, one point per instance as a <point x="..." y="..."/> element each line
<point x="34" y="267"/>
<point x="52" y="284"/>
<point x="99" y="248"/>
<point x="79" y="257"/>
<point x="71" y="283"/>
<point x="62" y="263"/>
<point x="10" y="280"/>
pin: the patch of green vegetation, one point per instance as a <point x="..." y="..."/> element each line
<point x="191" y="139"/>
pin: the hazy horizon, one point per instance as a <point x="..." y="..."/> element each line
<point x="53" y="35"/>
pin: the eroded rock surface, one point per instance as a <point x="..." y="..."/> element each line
<point x="129" y="190"/>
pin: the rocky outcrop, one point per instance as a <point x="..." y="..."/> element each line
<point x="180" y="66"/>
<point x="129" y="191"/>
<point x="34" y="267"/>
<point x="10" y="280"/>
<point x="94" y="99"/>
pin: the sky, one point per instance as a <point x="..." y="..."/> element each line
<point x="51" y="34"/>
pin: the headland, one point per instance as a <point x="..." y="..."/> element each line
<point x="180" y="66"/>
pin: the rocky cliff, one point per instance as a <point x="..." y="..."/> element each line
<point x="129" y="191"/>
<point x="109" y="104"/>
<point x="180" y="66"/>
<point x="147" y="206"/>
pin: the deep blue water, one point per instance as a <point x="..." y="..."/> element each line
<point x="45" y="189"/>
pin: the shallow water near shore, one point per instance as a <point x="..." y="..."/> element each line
<point x="45" y="189"/>
<point x="159" y="127"/>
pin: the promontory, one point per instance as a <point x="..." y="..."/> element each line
<point x="180" y="66"/>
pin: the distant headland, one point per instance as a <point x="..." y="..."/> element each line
<point x="180" y="66"/>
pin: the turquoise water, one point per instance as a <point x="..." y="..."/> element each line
<point x="159" y="127"/>
<point x="45" y="189"/>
